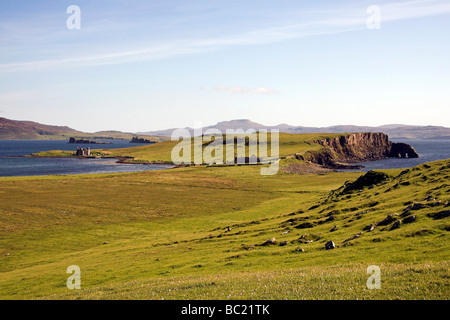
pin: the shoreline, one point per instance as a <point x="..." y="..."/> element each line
<point x="120" y="160"/>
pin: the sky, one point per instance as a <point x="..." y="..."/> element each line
<point x="140" y="65"/>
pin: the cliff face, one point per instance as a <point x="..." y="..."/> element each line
<point x="357" y="147"/>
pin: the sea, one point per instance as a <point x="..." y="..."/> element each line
<point x="428" y="150"/>
<point x="14" y="163"/>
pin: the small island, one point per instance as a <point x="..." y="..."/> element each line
<point x="141" y="140"/>
<point x="74" y="140"/>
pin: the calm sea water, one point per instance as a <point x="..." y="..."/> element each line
<point x="428" y="150"/>
<point x="12" y="162"/>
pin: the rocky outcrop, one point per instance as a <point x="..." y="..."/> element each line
<point x="141" y="140"/>
<point x="402" y="150"/>
<point x="369" y="179"/>
<point x="338" y="152"/>
<point x="86" y="141"/>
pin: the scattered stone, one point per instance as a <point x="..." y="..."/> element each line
<point x="330" y="218"/>
<point x="437" y="203"/>
<point x="388" y="220"/>
<point x="334" y="228"/>
<point x="245" y="247"/>
<point x="369" y="228"/>
<point x="418" y="206"/>
<point x="356" y="236"/>
<point x="228" y="229"/>
<point x="106" y="242"/>
<point x="429" y="198"/>
<point x="285" y="232"/>
<point x="440" y="215"/>
<point x="305" y="225"/>
<point x="329" y="245"/>
<point x="299" y="250"/>
<point x="283" y="243"/>
<point x="270" y="242"/>
<point x="396" y="225"/>
<point x="409" y="219"/>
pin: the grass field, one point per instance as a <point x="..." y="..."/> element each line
<point x="289" y="144"/>
<point x="197" y="233"/>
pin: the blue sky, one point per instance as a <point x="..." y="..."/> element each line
<point x="145" y="65"/>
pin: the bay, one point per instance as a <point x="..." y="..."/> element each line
<point x="13" y="162"/>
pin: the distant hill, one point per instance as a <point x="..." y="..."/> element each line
<point x="16" y="130"/>
<point x="29" y="130"/>
<point x="392" y="130"/>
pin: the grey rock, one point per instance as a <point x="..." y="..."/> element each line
<point x="409" y="219"/>
<point x="388" y="220"/>
<point x="330" y="245"/>
<point x="396" y="225"/>
<point x="270" y="242"/>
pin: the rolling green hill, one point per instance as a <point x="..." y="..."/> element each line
<point x="202" y="233"/>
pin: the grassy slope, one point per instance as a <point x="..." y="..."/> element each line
<point x="167" y="236"/>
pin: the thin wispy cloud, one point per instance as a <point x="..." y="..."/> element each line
<point x="330" y="22"/>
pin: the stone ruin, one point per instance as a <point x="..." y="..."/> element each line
<point x="83" y="152"/>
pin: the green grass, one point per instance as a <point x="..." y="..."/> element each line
<point x="289" y="144"/>
<point x="167" y="236"/>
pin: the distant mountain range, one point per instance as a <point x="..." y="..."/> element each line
<point x="16" y="130"/>
<point x="395" y="131"/>
<point x="29" y="130"/>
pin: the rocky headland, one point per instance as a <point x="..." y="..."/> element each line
<point x="341" y="151"/>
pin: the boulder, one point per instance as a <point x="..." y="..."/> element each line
<point x="329" y="245"/>
<point x="437" y="203"/>
<point x="409" y="219"/>
<point x="271" y="241"/>
<point x="356" y="236"/>
<point x="396" y="225"/>
<point x="305" y="225"/>
<point x="440" y="215"/>
<point x="388" y="220"/>
<point x="418" y="206"/>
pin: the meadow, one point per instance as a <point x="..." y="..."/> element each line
<point x="202" y="233"/>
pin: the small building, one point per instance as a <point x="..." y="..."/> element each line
<point x="84" y="152"/>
